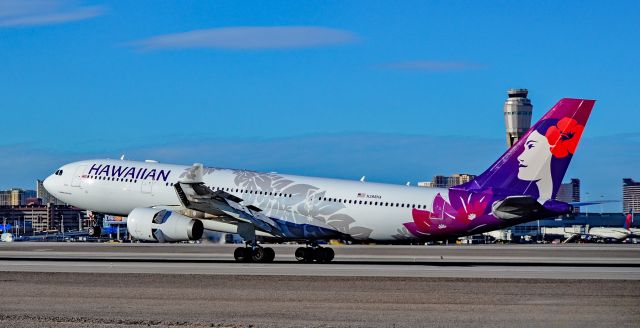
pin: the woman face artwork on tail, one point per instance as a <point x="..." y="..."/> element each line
<point x="534" y="164"/>
<point x="546" y="154"/>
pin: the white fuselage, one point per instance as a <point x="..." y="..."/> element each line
<point x="364" y="210"/>
<point x="610" y="233"/>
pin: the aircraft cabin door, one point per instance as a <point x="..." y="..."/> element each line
<point x="76" y="179"/>
<point x="146" y="186"/>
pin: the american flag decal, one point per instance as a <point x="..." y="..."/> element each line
<point x="361" y="194"/>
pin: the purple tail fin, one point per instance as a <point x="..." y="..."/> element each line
<point x="628" y="220"/>
<point x="536" y="164"/>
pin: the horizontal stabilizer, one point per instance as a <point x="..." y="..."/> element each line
<point x="526" y="208"/>
<point x="516" y="207"/>
<point x="595" y="202"/>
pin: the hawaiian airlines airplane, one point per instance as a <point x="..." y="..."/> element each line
<point x="170" y="203"/>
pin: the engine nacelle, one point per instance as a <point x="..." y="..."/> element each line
<point x="152" y="224"/>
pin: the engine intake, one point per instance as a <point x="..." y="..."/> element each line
<point x="151" y="224"/>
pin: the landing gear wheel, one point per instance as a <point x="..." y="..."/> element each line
<point x="305" y="254"/>
<point x="309" y="255"/>
<point x="318" y="254"/>
<point x="242" y="254"/>
<point x="269" y="254"/>
<point x="324" y="255"/>
<point x="259" y="255"/>
<point x="330" y="254"/>
<point x="94" y="231"/>
<point x="300" y="253"/>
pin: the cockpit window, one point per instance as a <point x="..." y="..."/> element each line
<point x="58" y="172"/>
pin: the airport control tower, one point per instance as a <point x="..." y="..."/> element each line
<point x="517" y="115"/>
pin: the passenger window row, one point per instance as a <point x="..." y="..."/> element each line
<point x="253" y="192"/>
<point x="271" y="193"/>
<point x="369" y="202"/>
<point x="97" y="177"/>
<point x="170" y="184"/>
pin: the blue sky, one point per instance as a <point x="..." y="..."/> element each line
<point x="217" y="81"/>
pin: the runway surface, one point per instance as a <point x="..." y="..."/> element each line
<point x="127" y="300"/>
<point x="485" y="261"/>
<point x="600" y="254"/>
<point x="199" y="285"/>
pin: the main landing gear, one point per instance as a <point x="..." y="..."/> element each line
<point x="254" y="254"/>
<point x="317" y="253"/>
<point x="261" y="254"/>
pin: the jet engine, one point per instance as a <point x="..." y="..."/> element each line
<point x="152" y="224"/>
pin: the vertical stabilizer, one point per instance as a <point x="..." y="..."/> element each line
<point x="537" y="163"/>
<point x="628" y="220"/>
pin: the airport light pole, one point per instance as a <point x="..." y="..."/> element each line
<point x="586" y="208"/>
<point x="634" y="204"/>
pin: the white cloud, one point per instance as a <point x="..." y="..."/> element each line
<point x="16" y="13"/>
<point x="247" y="37"/>
<point x="434" y="65"/>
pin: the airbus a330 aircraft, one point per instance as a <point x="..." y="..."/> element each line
<point x="169" y="203"/>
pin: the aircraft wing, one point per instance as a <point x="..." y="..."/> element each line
<point x="197" y="196"/>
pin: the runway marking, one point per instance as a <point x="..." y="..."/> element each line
<point x="295" y="269"/>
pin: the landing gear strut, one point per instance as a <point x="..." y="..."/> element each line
<point x="252" y="252"/>
<point x="317" y="253"/>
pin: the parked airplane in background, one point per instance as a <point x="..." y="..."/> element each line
<point x="169" y="203"/>
<point x="575" y="233"/>
<point x="616" y="234"/>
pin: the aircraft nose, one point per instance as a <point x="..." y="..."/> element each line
<point x="47" y="184"/>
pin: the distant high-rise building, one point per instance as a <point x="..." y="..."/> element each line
<point x="5" y="197"/>
<point x="460" y="178"/>
<point x="570" y="193"/>
<point x="630" y="195"/>
<point x="16" y="197"/>
<point x="517" y="114"/>
<point x="441" y="181"/>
